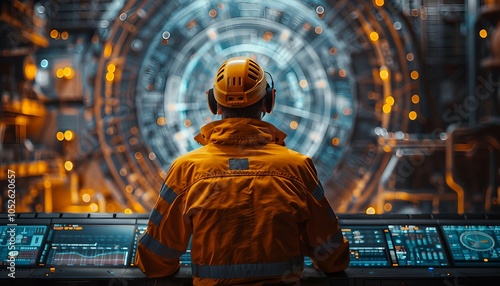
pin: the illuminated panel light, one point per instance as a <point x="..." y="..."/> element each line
<point x="483" y="33"/>
<point x="64" y="35"/>
<point x="415" y="98"/>
<point x="68" y="165"/>
<point x="294" y="125"/>
<point x="412" y="115"/>
<point x="370" y="211"/>
<point x="379" y="3"/>
<point x="414" y="75"/>
<point x="212" y="13"/>
<point x="374" y="36"/>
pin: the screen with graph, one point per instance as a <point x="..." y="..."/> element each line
<point x="89" y="245"/>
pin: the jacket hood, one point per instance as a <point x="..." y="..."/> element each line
<point x="240" y="131"/>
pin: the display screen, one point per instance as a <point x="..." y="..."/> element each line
<point x="473" y="245"/>
<point x="21" y="244"/>
<point x="367" y="245"/>
<point x="89" y="245"/>
<point x="417" y="246"/>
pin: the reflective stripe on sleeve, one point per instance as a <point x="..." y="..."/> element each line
<point x="167" y="194"/>
<point x="248" y="270"/>
<point x="318" y="192"/>
<point x="156" y="217"/>
<point x="158" y="248"/>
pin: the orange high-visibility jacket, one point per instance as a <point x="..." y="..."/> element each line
<point x="253" y="207"/>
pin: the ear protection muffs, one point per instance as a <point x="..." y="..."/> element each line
<point x="269" y="98"/>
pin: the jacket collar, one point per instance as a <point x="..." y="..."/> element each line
<point x="240" y="131"/>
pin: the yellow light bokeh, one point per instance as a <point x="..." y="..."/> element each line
<point x="412" y="115"/>
<point x="30" y="71"/>
<point x="94" y="207"/>
<point x="68" y="135"/>
<point x="110" y="76"/>
<point x="68" y="72"/>
<point x="390" y="100"/>
<point x="68" y="165"/>
<point x="60" y="136"/>
<point x="187" y="123"/>
<point x="86" y="197"/>
<point x="388" y="207"/>
<point x="294" y="125"/>
<point x="303" y="83"/>
<point x="108" y="49"/>
<point x="127" y="211"/>
<point x="379" y="3"/>
<point x="59" y="73"/>
<point x="54" y="34"/>
<point x="384" y="73"/>
<point x="415" y="98"/>
<point x="410" y="57"/>
<point x="370" y="211"/>
<point x="374" y="36"/>
<point x="483" y="33"/>
<point x="318" y="30"/>
<point x="342" y="73"/>
<point x="414" y="75"/>
<point x="386" y="108"/>
<point x="111" y="68"/>
<point x="64" y="35"/>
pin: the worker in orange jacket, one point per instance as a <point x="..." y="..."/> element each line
<point x="252" y="207"/>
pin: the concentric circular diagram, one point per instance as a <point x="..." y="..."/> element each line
<point x="340" y="68"/>
<point x="477" y="240"/>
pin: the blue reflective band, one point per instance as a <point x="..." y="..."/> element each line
<point x="228" y="271"/>
<point x="158" y="248"/>
<point x="156" y="217"/>
<point x="318" y="192"/>
<point x="167" y="194"/>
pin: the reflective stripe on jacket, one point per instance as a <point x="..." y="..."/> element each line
<point x="253" y="207"/>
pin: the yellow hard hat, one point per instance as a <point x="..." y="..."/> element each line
<point x="239" y="82"/>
